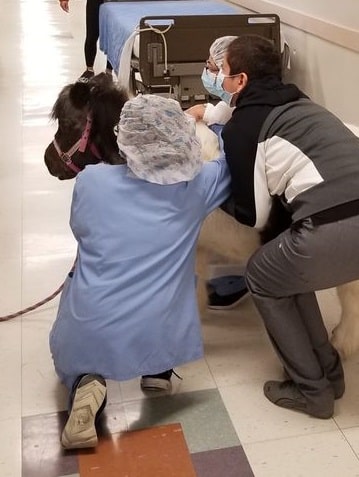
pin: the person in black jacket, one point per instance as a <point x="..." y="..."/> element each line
<point x="92" y="35"/>
<point x="281" y="146"/>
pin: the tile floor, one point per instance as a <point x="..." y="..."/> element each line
<point x="228" y="426"/>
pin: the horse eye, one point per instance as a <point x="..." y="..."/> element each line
<point x="116" y="129"/>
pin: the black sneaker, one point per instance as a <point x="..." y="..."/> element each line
<point x="86" y="76"/>
<point x="226" y="302"/>
<point x="158" y="382"/>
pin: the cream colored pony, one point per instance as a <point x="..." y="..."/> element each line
<point x="222" y="238"/>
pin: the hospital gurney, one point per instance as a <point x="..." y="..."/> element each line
<point x="165" y="53"/>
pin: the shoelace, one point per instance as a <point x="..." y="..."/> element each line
<point x="177" y="375"/>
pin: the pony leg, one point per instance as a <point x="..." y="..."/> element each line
<point x="202" y="261"/>
<point x="223" y="236"/>
<point x="202" y="296"/>
<point x="345" y="336"/>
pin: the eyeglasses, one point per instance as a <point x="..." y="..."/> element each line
<point x="211" y="67"/>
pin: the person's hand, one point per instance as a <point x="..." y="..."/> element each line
<point x="64" y="4"/>
<point x="196" y="111"/>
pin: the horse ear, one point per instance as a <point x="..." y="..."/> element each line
<point x="79" y="95"/>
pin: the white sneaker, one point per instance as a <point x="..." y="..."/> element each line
<point x="80" y="431"/>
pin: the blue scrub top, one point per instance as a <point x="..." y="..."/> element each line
<point x="130" y="308"/>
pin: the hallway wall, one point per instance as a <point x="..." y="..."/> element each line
<point x="324" y="41"/>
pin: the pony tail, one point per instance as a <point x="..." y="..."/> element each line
<point x="79" y="94"/>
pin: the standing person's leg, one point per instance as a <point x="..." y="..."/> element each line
<point x="281" y="276"/>
<point x="92" y="34"/>
<point x="109" y="68"/>
<point x="92" y="31"/>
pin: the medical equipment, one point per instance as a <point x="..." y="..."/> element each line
<point x="165" y="54"/>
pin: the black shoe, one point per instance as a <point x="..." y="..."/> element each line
<point x="226" y="302"/>
<point x="288" y="395"/>
<point x="158" y="382"/>
<point x="86" y="76"/>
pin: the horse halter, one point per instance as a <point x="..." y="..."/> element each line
<point x="80" y="146"/>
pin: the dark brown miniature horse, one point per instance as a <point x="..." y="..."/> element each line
<point x="87" y="114"/>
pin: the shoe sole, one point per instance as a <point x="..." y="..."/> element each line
<point x="228" y="307"/>
<point x="80" y="431"/>
<point x="155" y="384"/>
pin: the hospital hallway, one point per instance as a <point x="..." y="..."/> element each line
<point x="216" y="421"/>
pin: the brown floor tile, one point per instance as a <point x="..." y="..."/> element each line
<point x="230" y="462"/>
<point x="156" y="452"/>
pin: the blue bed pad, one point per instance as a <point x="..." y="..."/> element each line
<point x="119" y="19"/>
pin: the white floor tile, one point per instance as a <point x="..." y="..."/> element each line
<point x="237" y="347"/>
<point x="10" y="449"/>
<point x="41" y="390"/>
<point x="348" y="411"/>
<point x="352" y="436"/>
<point x="10" y="285"/>
<point x="10" y="370"/>
<point x="256" y="419"/>
<point x="324" y="454"/>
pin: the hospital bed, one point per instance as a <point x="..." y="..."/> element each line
<point x="161" y="46"/>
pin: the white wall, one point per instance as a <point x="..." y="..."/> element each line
<point x="324" y="40"/>
<point x="344" y="12"/>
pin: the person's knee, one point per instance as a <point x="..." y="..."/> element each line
<point x="257" y="278"/>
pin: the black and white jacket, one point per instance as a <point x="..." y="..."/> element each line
<point x="279" y="143"/>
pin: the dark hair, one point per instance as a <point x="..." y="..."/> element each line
<point x="254" y="55"/>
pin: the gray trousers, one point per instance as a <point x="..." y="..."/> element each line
<point x="283" y="276"/>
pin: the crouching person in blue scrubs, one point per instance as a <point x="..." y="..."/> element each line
<point x="130" y="308"/>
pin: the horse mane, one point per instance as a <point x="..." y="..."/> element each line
<point x="104" y="101"/>
<point x="106" y="105"/>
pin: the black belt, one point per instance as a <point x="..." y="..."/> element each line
<point x="339" y="212"/>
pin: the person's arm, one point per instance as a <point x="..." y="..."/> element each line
<point x="249" y="202"/>
<point x="64" y="4"/>
<point x="217" y="114"/>
<point x="216" y="182"/>
<point x="197" y="111"/>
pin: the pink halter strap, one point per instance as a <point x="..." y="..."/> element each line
<point x="79" y="145"/>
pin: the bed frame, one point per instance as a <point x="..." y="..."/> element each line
<point x="173" y="61"/>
